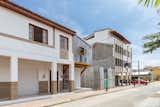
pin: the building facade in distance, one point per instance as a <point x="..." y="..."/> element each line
<point x="144" y="74"/>
<point x="113" y="52"/>
<point x="155" y="72"/>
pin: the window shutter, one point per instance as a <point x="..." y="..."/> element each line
<point x="45" y="37"/>
<point x="31" y="32"/>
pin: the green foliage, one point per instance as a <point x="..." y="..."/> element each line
<point x="153" y="42"/>
<point x="147" y="3"/>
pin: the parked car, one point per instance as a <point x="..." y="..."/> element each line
<point x="144" y="82"/>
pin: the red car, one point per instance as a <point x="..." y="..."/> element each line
<point x="141" y="82"/>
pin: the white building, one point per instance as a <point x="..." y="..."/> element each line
<point x="144" y="74"/>
<point x="35" y="54"/>
<point x="111" y="51"/>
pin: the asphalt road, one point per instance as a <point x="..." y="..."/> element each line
<point x="144" y="96"/>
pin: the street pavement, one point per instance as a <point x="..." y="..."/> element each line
<point x="56" y="99"/>
<point x="144" y="96"/>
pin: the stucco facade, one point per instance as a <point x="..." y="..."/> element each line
<point x="25" y="63"/>
<point x="111" y="51"/>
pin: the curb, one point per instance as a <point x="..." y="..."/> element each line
<point x="85" y="97"/>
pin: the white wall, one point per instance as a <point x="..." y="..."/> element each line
<point x="60" y="69"/>
<point x="12" y="47"/>
<point x="101" y="37"/>
<point x="17" y="25"/>
<point x="57" y="42"/>
<point x="77" y="78"/>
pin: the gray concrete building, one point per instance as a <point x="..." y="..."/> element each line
<point x="112" y="55"/>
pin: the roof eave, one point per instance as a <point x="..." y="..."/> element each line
<point x="120" y="37"/>
<point x="21" y="10"/>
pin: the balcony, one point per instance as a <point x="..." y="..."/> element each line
<point x="64" y="54"/>
<point x="81" y="59"/>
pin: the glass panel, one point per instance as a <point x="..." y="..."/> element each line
<point x="30" y="32"/>
<point x="45" y="38"/>
<point x="38" y="34"/>
<point x="64" y="43"/>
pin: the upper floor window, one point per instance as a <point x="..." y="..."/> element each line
<point x="38" y="34"/>
<point x="81" y="51"/>
<point x="119" y="62"/>
<point x="64" y="43"/>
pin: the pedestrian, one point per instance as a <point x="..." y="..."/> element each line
<point x="134" y="83"/>
<point x="129" y="82"/>
<point x="121" y="82"/>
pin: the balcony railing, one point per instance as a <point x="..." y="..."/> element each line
<point x="80" y="58"/>
<point x="64" y="54"/>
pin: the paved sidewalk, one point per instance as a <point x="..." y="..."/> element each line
<point x="51" y="100"/>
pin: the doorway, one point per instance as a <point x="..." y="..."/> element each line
<point x="117" y="80"/>
<point x="65" y="78"/>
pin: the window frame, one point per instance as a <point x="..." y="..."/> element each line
<point x="34" y="26"/>
<point x="67" y="48"/>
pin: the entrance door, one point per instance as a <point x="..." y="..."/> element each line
<point x="27" y="81"/>
<point x="57" y="81"/>
<point x="65" y="83"/>
<point x="116" y="81"/>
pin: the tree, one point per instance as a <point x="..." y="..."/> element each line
<point x="147" y="3"/>
<point x="153" y="40"/>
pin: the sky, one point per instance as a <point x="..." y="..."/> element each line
<point x="132" y="20"/>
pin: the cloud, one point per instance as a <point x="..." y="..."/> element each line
<point x="145" y="59"/>
<point x="57" y="11"/>
<point x="85" y="16"/>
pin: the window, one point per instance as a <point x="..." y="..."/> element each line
<point x="31" y="31"/>
<point x="128" y="53"/>
<point x="38" y="34"/>
<point x="81" y="51"/>
<point x="118" y="62"/>
<point x="118" y="49"/>
<point x="64" y="43"/>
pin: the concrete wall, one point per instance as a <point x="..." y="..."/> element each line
<point x="77" y="78"/>
<point x="105" y="37"/>
<point x="103" y="57"/>
<point x="17" y="25"/>
<point x="87" y="78"/>
<point x="102" y="51"/>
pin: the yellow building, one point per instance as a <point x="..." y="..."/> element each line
<point x="155" y="72"/>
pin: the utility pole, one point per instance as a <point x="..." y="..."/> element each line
<point x="138" y="72"/>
